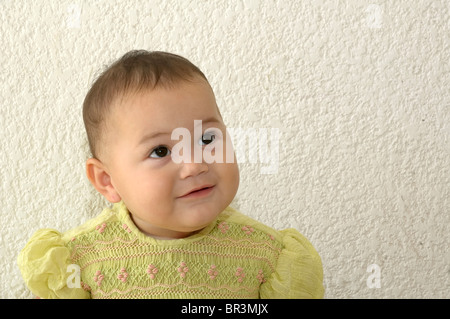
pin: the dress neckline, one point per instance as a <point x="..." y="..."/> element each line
<point x="124" y="216"/>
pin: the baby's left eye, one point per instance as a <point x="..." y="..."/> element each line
<point x="207" y="138"/>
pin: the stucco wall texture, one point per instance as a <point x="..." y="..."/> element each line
<point x="358" y="92"/>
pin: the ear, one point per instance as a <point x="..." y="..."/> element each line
<point x="101" y="180"/>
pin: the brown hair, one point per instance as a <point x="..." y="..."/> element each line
<point x="135" y="71"/>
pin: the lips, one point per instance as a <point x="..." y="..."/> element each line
<point x="198" y="191"/>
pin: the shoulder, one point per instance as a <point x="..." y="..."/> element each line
<point x="247" y="225"/>
<point x="44" y="264"/>
<point x="298" y="272"/>
<point x="45" y="260"/>
<point x="92" y="226"/>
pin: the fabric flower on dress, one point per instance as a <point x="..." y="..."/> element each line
<point x="240" y="274"/>
<point x="125" y="226"/>
<point x="98" y="278"/>
<point x="260" y="276"/>
<point x="85" y="286"/>
<point x="183" y="269"/>
<point x="123" y="275"/>
<point x="223" y="227"/>
<point x="101" y="228"/>
<point x="212" y="272"/>
<point x="248" y="230"/>
<point x="152" y="271"/>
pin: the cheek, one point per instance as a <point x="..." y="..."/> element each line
<point x="229" y="174"/>
<point x="236" y="177"/>
<point x="147" y="186"/>
<point x="156" y="186"/>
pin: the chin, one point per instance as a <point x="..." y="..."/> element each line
<point x="200" y="217"/>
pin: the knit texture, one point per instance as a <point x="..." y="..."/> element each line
<point x="234" y="257"/>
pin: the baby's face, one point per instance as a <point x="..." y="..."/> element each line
<point x="157" y="190"/>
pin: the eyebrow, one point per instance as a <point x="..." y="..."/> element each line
<point x="151" y="136"/>
<point x="210" y="120"/>
<point x="154" y="135"/>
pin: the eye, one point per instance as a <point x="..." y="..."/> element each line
<point x="207" y="138"/>
<point x="159" y="152"/>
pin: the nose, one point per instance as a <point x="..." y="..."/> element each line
<point x="193" y="167"/>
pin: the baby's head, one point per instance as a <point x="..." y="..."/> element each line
<point x="130" y="113"/>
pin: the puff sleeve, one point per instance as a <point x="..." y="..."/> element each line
<point x="43" y="263"/>
<point x="299" y="272"/>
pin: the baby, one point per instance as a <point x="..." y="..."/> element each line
<point x="170" y="232"/>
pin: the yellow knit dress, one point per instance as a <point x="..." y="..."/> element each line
<point x="234" y="257"/>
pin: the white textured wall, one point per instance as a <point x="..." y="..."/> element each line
<point x="358" y="89"/>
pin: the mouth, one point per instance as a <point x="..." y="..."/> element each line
<point x="198" y="192"/>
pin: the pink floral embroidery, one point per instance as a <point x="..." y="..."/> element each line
<point x="125" y="226"/>
<point x="101" y="228"/>
<point x="73" y="239"/>
<point x="98" y="278"/>
<point x="271" y="237"/>
<point x="183" y="269"/>
<point x="248" y="230"/>
<point x="223" y="227"/>
<point x="152" y="271"/>
<point x="212" y="272"/>
<point x="123" y="275"/>
<point x="240" y="274"/>
<point x="260" y="276"/>
<point x="85" y="286"/>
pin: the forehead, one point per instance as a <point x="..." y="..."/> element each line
<point x="163" y="109"/>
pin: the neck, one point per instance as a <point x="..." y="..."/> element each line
<point x="159" y="233"/>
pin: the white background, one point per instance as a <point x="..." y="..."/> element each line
<point x="359" y="91"/>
